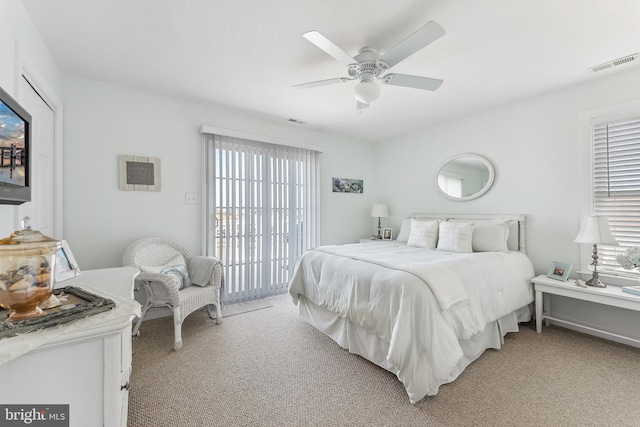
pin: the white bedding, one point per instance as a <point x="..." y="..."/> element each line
<point x="421" y="302"/>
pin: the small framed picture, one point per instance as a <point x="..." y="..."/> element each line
<point x="559" y="271"/>
<point x="387" y="234"/>
<point x="66" y="265"/>
<point x="137" y="173"/>
<point x="346" y="185"/>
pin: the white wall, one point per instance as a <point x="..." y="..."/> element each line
<point x="534" y="146"/>
<point x="103" y="121"/>
<point x="21" y="44"/>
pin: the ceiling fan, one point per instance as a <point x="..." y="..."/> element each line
<point x="368" y="65"/>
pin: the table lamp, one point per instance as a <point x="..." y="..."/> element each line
<point x="380" y="211"/>
<point x="595" y="230"/>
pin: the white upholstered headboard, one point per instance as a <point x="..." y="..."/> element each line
<point x="515" y="221"/>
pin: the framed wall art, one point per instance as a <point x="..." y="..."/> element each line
<point x="346" y="185"/>
<point x="136" y="173"/>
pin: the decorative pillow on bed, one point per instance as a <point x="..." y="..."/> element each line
<point x="177" y="268"/>
<point x="513" y="242"/>
<point x="405" y="230"/>
<point x="455" y="236"/>
<point x="423" y="234"/>
<point x="490" y="236"/>
<point x="512" y="229"/>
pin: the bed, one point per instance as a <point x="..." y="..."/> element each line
<point x="425" y="305"/>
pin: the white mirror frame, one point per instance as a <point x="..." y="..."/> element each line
<point x="484" y="189"/>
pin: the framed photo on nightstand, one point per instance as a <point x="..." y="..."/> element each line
<point x="559" y="271"/>
<point x="387" y="234"/>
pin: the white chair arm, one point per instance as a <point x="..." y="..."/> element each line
<point x="162" y="286"/>
<point x="216" y="276"/>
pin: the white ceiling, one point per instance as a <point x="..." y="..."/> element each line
<point x="248" y="54"/>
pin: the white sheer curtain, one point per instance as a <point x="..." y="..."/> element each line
<point x="262" y="212"/>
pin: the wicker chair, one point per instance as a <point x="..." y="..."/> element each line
<point x="163" y="290"/>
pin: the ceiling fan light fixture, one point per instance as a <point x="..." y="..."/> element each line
<point x="369" y="65"/>
<point x="367" y="91"/>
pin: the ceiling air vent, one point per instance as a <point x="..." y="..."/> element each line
<point x="615" y="62"/>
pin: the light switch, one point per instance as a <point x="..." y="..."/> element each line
<point x="190" y="198"/>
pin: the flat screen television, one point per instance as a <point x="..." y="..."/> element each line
<point x="15" y="152"/>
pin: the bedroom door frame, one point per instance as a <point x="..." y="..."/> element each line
<point x="26" y="71"/>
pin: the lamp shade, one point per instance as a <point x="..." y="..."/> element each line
<point x="379" y="211"/>
<point x="595" y="229"/>
<point x="367" y="91"/>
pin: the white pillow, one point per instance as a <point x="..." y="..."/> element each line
<point x="423" y="234"/>
<point x="455" y="236"/>
<point x="176" y="268"/>
<point x="490" y="237"/>
<point x="514" y="234"/>
<point x="512" y="225"/>
<point x="405" y="230"/>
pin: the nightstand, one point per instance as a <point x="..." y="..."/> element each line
<point x="611" y="295"/>
<point x="369" y="240"/>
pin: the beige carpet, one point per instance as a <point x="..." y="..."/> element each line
<point x="265" y="367"/>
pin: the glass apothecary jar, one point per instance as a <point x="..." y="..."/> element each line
<point x="27" y="263"/>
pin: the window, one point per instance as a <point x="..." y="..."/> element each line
<point x="263" y="206"/>
<point x="614" y="183"/>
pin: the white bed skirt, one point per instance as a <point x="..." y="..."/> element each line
<point x="363" y="343"/>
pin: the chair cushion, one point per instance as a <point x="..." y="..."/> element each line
<point x="177" y="268"/>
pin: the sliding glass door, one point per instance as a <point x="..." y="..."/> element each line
<point x="262" y="212"/>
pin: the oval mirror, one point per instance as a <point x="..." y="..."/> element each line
<point x="465" y="177"/>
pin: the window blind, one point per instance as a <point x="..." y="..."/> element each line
<point x="262" y="212"/>
<point x="616" y="186"/>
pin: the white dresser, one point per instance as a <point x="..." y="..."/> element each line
<point x="85" y="363"/>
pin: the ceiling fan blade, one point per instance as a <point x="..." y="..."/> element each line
<point x="329" y="47"/>
<point x="322" y="83"/>
<point x="429" y="33"/>
<point x="416" y="82"/>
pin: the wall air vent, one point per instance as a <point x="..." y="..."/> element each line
<point x="614" y="63"/>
